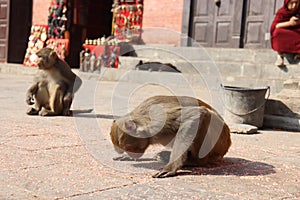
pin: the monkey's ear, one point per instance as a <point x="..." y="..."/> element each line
<point x="53" y="55"/>
<point x="130" y="125"/>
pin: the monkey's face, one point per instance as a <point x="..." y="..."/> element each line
<point x="124" y="140"/>
<point x="46" y="58"/>
<point x="41" y="62"/>
<point x="45" y="62"/>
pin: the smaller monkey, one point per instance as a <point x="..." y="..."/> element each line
<point x="218" y="3"/>
<point x="156" y="66"/>
<point x="197" y="133"/>
<point x="54" y="86"/>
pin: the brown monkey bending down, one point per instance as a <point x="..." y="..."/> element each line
<point x="197" y="133"/>
<point x="54" y="86"/>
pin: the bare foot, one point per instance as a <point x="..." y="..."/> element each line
<point x="279" y="61"/>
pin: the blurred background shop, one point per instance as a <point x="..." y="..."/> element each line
<point x="68" y="25"/>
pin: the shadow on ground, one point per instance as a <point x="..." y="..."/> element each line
<point x="91" y="115"/>
<point x="228" y="166"/>
<point x="277" y="107"/>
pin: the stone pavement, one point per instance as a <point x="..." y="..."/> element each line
<point x="71" y="157"/>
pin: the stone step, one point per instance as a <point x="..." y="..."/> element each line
<point x="292" y="84"/>
<point x="259" y="70"/>
<point x="291" y="99"/>
<point x="17" y="69"/>
<point x="228" y="74"/>
<point x="237" y="74"/>
<point x="204" y="54"/>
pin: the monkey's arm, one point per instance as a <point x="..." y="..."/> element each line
<point x="191" y="120"/>
<point x="73" y="83"/>
<point x="30" y="92"/>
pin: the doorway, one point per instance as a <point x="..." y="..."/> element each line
<point x="235" y="24"/>
<point x="88" y="19"/>
<point x="20" y="21"/>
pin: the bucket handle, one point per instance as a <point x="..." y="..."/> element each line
<point x="251" y="111"/>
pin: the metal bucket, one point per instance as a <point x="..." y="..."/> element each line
<point x="245" y="105"/>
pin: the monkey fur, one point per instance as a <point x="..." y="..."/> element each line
<point x="54" y="86"/>
<point x="196" y="132"/>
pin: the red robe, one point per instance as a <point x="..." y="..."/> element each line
<point x="285" y="40"/>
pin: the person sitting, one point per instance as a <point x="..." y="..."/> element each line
<point x="285" y="32"/>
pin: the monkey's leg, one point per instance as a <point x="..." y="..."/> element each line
<point x="41" y="98"/>
<point x="68" y="97"/>
<point x="67" y="101"/>
<point x="191" y="120"/>
<point x="56" y="93"/>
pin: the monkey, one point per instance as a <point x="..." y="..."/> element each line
<point x="196" y="132"/>
<point x="156" y="66"/>
<point x="54" y="86"/>
<point x="218" y="3"/>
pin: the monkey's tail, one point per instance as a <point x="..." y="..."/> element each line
<point x="82" y="111"/>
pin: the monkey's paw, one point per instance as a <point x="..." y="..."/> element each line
<point x="44" y="112"/>
<point x="164" y="174"/>
<point x="32" y="111"/>
<point x="67" y="112"/>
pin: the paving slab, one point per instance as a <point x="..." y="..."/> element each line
<point x="71" y="157"/>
